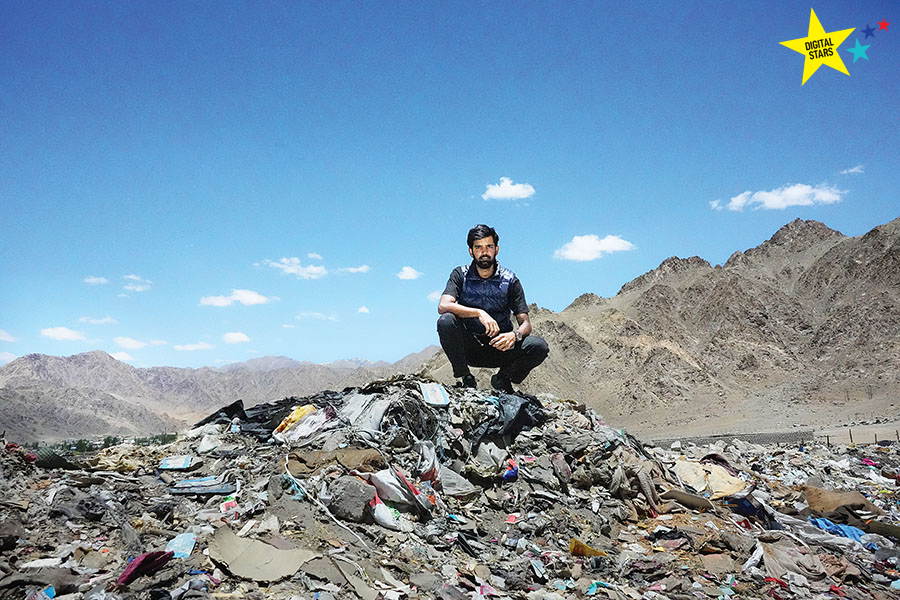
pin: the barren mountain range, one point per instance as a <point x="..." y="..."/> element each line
<point x="802" y="330"/>
<point x="53" y="397"/>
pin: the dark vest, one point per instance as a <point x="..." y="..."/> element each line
<point x="490" y="295"/>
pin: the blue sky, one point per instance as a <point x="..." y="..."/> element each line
<point x="200" y="183"/>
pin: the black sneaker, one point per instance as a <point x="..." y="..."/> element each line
<point x="501" y="383"/>
<point x="468" y="381"/>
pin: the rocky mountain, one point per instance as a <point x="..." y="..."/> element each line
<point x="54" y="397"/>
<point x="800" y="330"/>
<point x="265" y="363"/>
<point x="413" y="362"/>
<point x="356" y="363"/>
<point x="46" y="412"/>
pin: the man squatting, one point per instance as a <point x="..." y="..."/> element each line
<point x="474" y="326"/>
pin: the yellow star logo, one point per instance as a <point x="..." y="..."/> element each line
<point x="820" y="48"/>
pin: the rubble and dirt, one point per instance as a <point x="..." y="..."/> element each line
<point x="374" y="492"/>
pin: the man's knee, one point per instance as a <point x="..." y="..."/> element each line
<point x="447" y="321"/>
<point x="536" y="346"/>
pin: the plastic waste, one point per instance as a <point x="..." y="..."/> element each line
<point x="382" y="514"/>
<point x="176" y="463"/>
<point x="44" y="594"/>
<point x="295" y="417"/>
<point x="579" y="548"/>
<point x="434" y="394"/>
<point x="182" y="545"/>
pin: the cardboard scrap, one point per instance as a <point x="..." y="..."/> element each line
<point x="324" y="568"/>
<point x="361" y="588"/>
<point x="256" y="560"/>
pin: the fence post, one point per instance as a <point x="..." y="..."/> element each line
<point x="851" y="435"/>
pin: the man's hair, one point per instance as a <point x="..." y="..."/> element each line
<point x="482" y="231"/>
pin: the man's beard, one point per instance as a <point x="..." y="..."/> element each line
<point x="485" y="263"/>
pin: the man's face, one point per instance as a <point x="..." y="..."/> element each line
<point x="484" y="251"/>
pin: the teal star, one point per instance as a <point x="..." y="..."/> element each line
<point x="859" y="51"/>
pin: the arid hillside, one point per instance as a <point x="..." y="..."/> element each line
<point x="802" y="330"/>
<point x="62" y="397"/>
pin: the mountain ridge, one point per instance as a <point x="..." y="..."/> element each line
<point x="807" y="321"/>
<point x="803" y="327"/>
<point x="160" y="396"/>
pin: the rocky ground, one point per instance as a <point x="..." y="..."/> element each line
<point x="401" y="489"/>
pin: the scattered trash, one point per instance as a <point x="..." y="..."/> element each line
<point x="579" y="548"/>
<point x="203" y="485"/>
<point x="44" y="594"/>
<point x="176" y="463"/>
<point x="145" y="564"/>
<point x="182" y="545"/>
<point x="405" y="489"/>
<point x="434" y="394"/>
<point x="256" y="560"/>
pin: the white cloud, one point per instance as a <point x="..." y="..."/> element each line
<point x="216" y="301"/>
<point x="93" y="280"/>
<point x="314" y="256"/>
<point x="191" y="347"/>
<point x="62" y="333"/>
<point x="5" y="357"/>
<point x="435" y="296"/>
<point x="409" y="273"/>
<point x="359" y="269"/>
<point x="363" y="309"/>
<point x="507" y="190"/>
<point x="288" y="326"/>
<point x="123" y="356"/>
<point x="158" y="342"/>
<point x="245" y="297"/>
<point x="235" y="337"/>
<point x="715" y="205"/>
<point x="131" y="344"/>
<point x="140" y="284"/>
<point x="316" y="315"/>
<point x="7" y="337"/>
<point x="292" y="266"/>
<point x="854" y="170"/>
<point x="798" y="194"/>
<point x="590" y="247"/>
<point x="94" y="321"/>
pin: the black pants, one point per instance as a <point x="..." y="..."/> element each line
<point x="463" y="350"/>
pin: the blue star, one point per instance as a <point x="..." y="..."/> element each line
<point x="859" y="51"/>
<point x="868" y="31"/>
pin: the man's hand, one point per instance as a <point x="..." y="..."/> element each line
<point x="504" y="341"/>
<point x="490" y="325"/>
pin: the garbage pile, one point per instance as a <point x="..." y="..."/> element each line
<point x="406" y="489"/>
